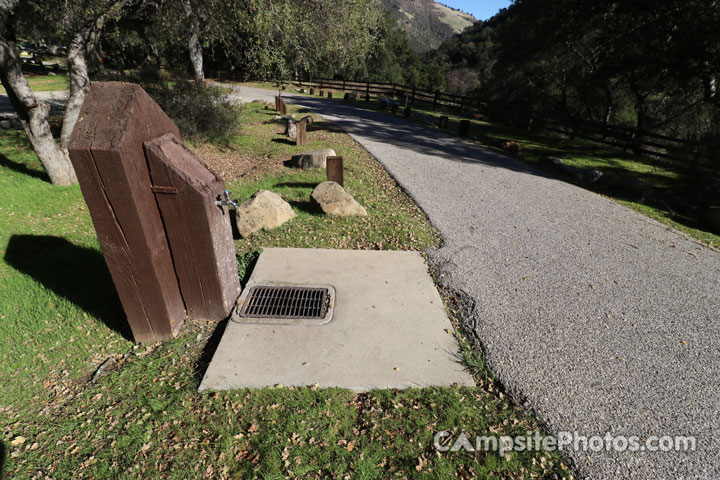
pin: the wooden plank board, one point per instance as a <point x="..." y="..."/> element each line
<point x="106" y="151"/>
<point x="199" y="231"/>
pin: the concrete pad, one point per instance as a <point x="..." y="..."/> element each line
<point x="389" y="328"/>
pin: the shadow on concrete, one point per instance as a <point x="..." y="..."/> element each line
<point x="78" y="274"/>
<point x="23" y="169"/>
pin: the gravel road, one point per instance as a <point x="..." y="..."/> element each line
<point x="598" y="318"/>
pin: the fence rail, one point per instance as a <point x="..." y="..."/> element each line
<point x="640" y="142"/>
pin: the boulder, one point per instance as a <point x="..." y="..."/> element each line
<point x="313" y="159"/>
<point x="334" y="200"/>
<point x="630" y="188"/>
<point x="263" y="211"/>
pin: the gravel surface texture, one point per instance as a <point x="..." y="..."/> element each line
<point x="596" y="317"/>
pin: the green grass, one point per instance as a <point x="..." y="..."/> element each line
<point x="45" y="83"/>
<point x="668" y="179"/>
<point x="60" y="318"/>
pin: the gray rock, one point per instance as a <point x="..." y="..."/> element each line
<point x="334" y="200"/>
<point x="291" y="130"/>
<point x="583" y="175"/>
<point x="263" y="211"/>
<point x="313" y="159"/>
<point x="6" y="124"/>
<point x="627" y="187"/>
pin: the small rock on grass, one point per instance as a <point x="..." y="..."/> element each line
<point x="263" y="211"/>
<point x="335" y="201"/>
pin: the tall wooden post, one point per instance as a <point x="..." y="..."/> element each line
<point x="301" y="135"/>
<point x="106" y="150"/>
<point x="435" y="100"/>
<point x="335" y="170"/>
<point x="367" y="92"/>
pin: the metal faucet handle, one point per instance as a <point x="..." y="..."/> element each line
<point x="226" y="200"/>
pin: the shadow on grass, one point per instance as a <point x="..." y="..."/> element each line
<point x="3" y="453"/>
<point x="306" y="206"/>
<point x="22" y="168"/>
<point x="76" y="273"/>
<point x="310" y="185"/>
<point x="209" y="351"/>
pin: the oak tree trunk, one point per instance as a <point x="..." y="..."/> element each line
<point x="194" y="46"/>
<point x="32" y="113"/>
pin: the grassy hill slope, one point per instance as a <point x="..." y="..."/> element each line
<point x="428" y="23"/>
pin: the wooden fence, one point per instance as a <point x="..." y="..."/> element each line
<point x="461" y="104"/>
<point x="640" y="142"/>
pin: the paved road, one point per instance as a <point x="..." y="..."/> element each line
<point x="599" y="318"/>
<point x="57" y="101"/>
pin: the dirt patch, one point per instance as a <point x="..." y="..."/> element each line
<point x="232" y="164"/>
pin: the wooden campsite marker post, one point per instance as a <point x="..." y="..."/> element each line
<point x="168" y="246"/>
<point x="301" y="135"/>
<point x="280" y="105"/>
<point x="335" y="170"/>
<point x="464" y="128"/>
<point x="443" y="123"/>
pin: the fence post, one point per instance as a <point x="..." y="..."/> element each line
<point x="367" y="92"/>
<point x="435" y="100"/>
<point x="462" y="104"/>
<point x="343" y="84"/>
<point x="413" y="95"/>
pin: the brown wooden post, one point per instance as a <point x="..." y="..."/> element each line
<point x="395" y="108"/>
<point x="280" y="105"/>
<point x="393" y="90"/>
<point x="335" y="170"/>
<point x="312" y="90"/>
<point x="435" y="100"/>
<point x="413" y="96"/>
<point x="343" y="84"/>
<point x="464" y="130"/>
<point x="367" y="92"/>
<point x="462" y="104"/>
<point x="329" y="94"/>
<point x="408" y="111"/>
<point x="443" y="123"/>
<point x="301" y="136"/>
<point x="106" y="150"/>
<point x="198" y="230"/>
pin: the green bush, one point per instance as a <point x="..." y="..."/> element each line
<point x="199" y="112"/>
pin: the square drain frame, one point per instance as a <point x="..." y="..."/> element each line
<point x="285" y="304"/>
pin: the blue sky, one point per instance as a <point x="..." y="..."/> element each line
<point x="481" y="9"/>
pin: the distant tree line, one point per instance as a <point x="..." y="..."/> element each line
<point x="648" y="65"/>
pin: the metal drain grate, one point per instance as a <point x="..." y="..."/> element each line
<point x="285" y="302"/>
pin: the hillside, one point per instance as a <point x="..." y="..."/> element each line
<point x="428" y="23"/>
